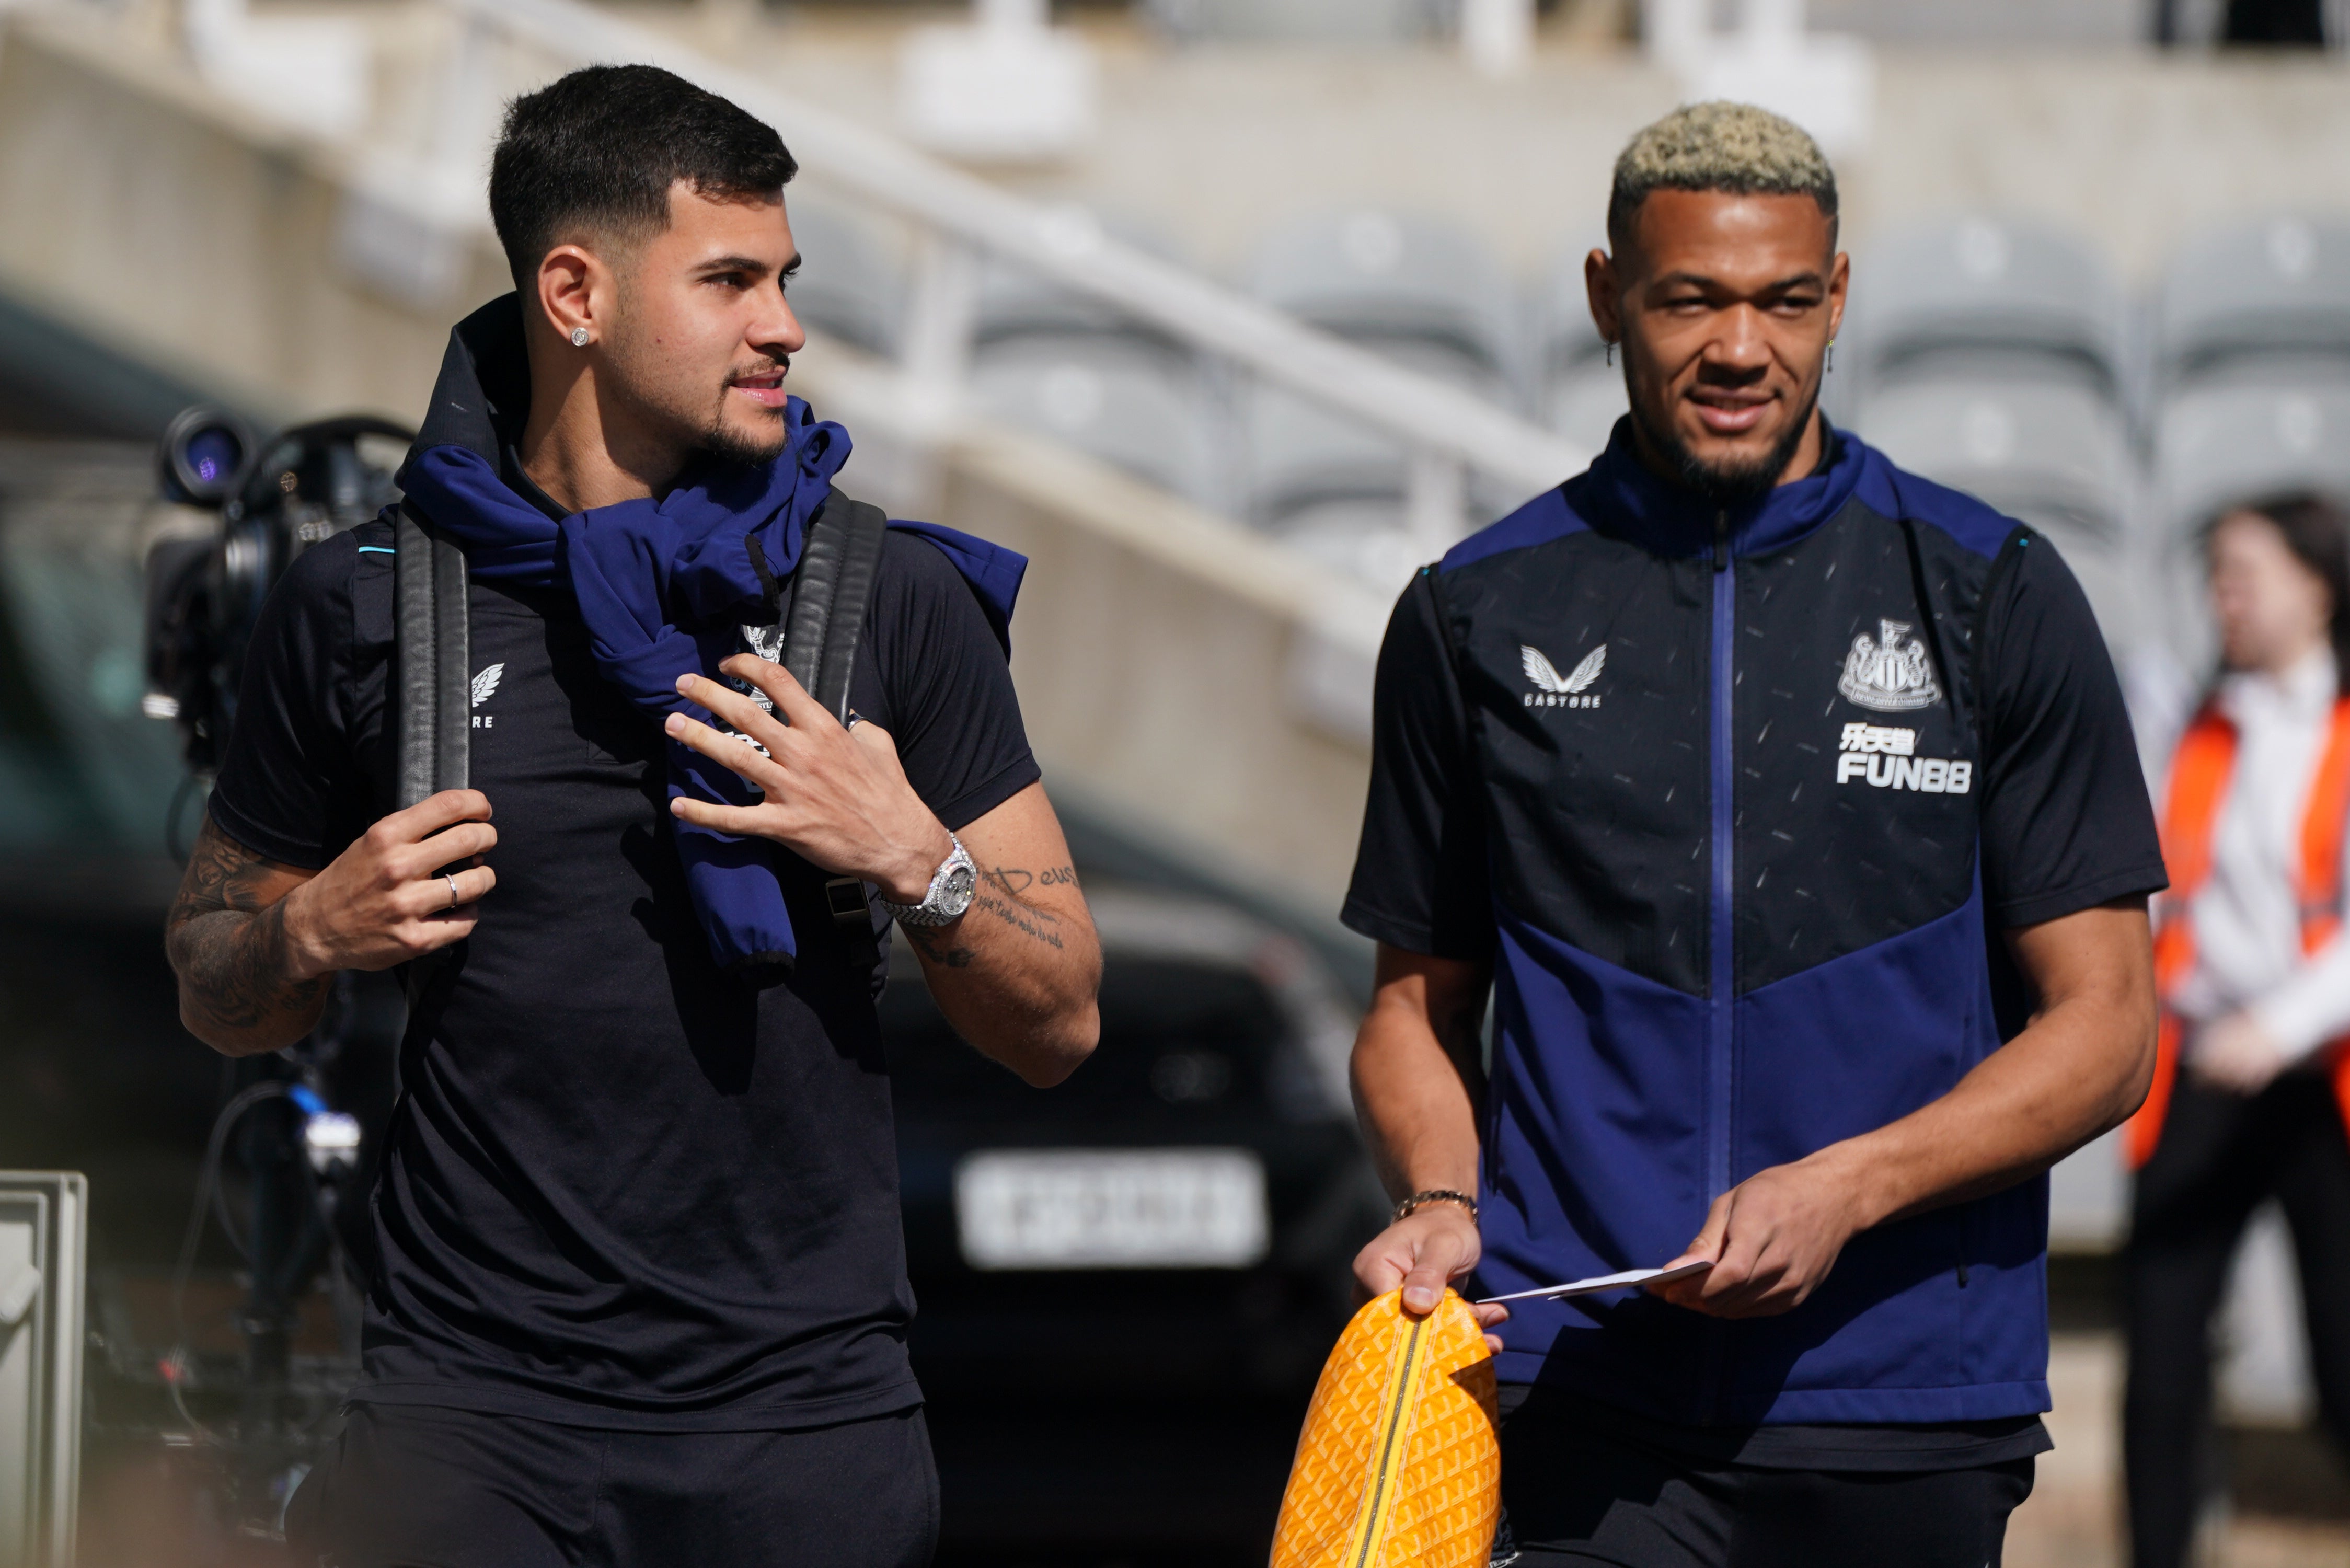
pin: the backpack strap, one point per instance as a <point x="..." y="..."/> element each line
<point x="432" y="641"/>
<point x="839" y="561"/>
<point x="830" y="590"/>
<point x="431" y="698"/>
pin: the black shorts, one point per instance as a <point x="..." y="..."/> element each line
<point x="413" y="1487"/>
<point x="1579" y="1493"/>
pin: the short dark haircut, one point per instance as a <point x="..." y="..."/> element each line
<point x="600" y="148"/>
<point x="2316" y="529"/>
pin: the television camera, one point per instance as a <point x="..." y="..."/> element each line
<point x="205" y="594"/>
<point x="275" y="499"/>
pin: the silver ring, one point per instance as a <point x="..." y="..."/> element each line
<point x="451" y="878"/>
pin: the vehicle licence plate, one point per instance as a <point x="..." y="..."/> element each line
<point x="1111" y="1208"/>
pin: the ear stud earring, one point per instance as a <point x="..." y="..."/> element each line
<point x="579" y="337"/>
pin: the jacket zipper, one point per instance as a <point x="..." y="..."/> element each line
<point x="1717" y="947"/>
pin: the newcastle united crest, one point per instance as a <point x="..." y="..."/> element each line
<point x="1890" y="674"/>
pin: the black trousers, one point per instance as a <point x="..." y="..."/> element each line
<point x="1579" y="1496"/>
<point x="2220" y="1157"/>
<point x="411" y="1487"/>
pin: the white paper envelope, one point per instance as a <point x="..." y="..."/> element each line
<point x="1603" y="1283"/>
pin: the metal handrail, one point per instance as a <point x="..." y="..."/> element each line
<point x="1444" y="428"/>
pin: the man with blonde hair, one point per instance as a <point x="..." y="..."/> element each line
<point x="1784" y="806"/>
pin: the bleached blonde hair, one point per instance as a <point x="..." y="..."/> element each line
<point x="1720" y="146"/>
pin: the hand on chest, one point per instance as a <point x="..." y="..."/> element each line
<point x="541" y="708"/>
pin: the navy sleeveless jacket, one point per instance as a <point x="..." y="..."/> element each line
<point x="1733" y="777"/>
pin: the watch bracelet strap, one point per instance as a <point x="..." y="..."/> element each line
<point x="899" y="911"/>
<point x="1435" y="1195"/>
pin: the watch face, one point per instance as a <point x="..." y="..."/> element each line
<point x="954" y="893"/>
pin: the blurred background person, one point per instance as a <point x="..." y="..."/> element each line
<point x="2254" y="1081"/>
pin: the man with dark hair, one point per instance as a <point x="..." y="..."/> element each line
<point x="1786" y="805"/>
<point x="639" y="1293"/>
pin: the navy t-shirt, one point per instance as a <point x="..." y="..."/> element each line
<point x="622" y="1188"/>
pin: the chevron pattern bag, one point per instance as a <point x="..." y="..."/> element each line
<point x="1398" y="1466"/>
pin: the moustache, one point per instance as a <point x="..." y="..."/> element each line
<point x="778" y="365"/>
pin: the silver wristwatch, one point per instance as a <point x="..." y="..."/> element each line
<point x="952" y="885"/>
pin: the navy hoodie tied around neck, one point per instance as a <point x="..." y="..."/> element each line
<point x="665" y="585"/>
<point x="624" y="1187"/>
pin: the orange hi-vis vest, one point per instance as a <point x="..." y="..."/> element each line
<point x="2199" y="773"/>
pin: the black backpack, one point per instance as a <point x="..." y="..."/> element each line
<point x="821" y="608"/>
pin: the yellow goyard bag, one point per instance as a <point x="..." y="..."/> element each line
<point x="1398" y="1466"/>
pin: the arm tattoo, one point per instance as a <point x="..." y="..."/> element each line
<point x="228" y="947"/>
<point x="1015" y="881"/>
<point x="999" y="895"/>
<point x="222" y="874"/>
<point x="1025" y="918"/>
<point x="1029" y="919"/>
<point x="928" y="944"/>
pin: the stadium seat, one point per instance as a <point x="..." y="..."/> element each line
<point x="1420" y="293"/>
<point x="1129" y="403"/>
<point x="2221" y="445"/>
<point x="1366" y="537"/>
<point x="1577" y="393"/>
<point x="1068" y="365"/>
<point x="848" y="286"/>
<point x="2269" y="301"/>
<point x="1300" y="454"/>
<point x="1302" y="458"/>
<point x="1982" y="297"/>
<point x="1391" y="282"/>
<point x="2054" y="454"/>
<point x="1016" y="302"/>
<point x="2218" y="446"/>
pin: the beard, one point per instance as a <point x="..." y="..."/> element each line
<point x="667" y="402"/>
<point x="1731" y="482"/>
<point x="755" y="446"/>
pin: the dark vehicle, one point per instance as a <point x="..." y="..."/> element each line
<point x="1128" y="1284"/>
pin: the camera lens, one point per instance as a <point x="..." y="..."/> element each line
<point x="202" y="451"/>
<point x="213" y="456"/>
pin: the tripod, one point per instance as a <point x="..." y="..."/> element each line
<point x="300" y="1156"/>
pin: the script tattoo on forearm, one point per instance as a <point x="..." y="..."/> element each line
<point x="1029" y="919"/>
<point x="1025" y="918"/>
<point x="227" y="946"/>
<point x="1015" y="881"/>
<point x="999" y="895"/>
